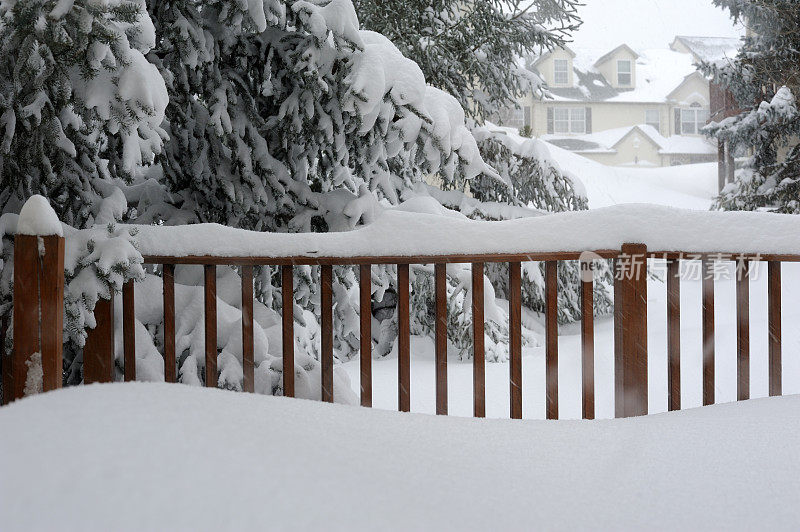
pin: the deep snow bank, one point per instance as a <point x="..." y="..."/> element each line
<point x="403" y="233"/>
<point x="159" y="456"/>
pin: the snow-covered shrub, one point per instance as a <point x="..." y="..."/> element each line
<point x="97" y="262"/>
<point x="530" y="177"/>
<point x="459" y="312"/>
<point x="190" y="337"/>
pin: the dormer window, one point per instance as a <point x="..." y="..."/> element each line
<point x="624" y="76"/>
<point x="561" y="71"/>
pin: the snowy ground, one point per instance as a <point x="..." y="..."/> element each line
<point x="691" y="186"/>
<point x="497" y="394"/>
<point x="168" y="457"/>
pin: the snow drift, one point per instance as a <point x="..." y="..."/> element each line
<point x="155" y="456"/>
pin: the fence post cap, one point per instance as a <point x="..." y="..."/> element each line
<point x="38" y="218"/>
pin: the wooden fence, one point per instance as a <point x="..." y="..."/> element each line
<point x="39" y="285"/>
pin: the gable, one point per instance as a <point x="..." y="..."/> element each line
<point x="553" y="54"/>
<point x="693" y="89"/>
<point x="709" y="49"/>
<point x="622" y="51"/>
<point x="637" y="133"/>
<point x="610" y="67"/>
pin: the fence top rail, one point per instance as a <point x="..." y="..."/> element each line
<point x="454" y="259"/>
<point x="405" y="237"/>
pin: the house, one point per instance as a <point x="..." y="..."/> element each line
<point x="624" y="90"/>
<point x="640" y="145"/>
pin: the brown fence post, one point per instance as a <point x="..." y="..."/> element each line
<point x="98" y="352"/>
<point x="51" y="293"/>
<point x="632" y="395"/>
<point x="38" y="305"/>
<point x="26" y="312"/>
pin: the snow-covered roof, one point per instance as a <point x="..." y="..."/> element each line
<point x="613" y="52"/>
<point x="711" y="49"/>
<point x="658" y="73"/>
<point x="547" y="54"/>
<point x="608" y="140"/>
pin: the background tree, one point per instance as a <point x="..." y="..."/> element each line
<point x="80" y="105"/>
<point x="472" y="49"/>
<point x="81" y="111"/>
<point x="476" y="51"/>
<point x="765" y="81"/>
<point x="273" y="115"/>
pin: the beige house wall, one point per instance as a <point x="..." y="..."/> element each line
<point x="546" y="68"/>
<point x="693" y="91"/>
<point x="604" y="115"/>
<point x="609" y="68"/>
<point x="634" y="147"/>
<point x="611" y="115"/>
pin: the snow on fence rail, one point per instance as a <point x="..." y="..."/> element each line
<point x="628" y="235"/>
<point x="408" y="236"/>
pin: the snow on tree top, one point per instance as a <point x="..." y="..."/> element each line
<point x="38" y="218"/>
<point x="401" y="233"/>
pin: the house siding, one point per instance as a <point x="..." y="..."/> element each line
<point x="609" y="68"/>
<point x="547" y="69"/>
<point x="604" y="115"/>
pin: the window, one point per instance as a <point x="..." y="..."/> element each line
<point x="652" y="118"/>
<point x="570" y="120"/>
<point x="577" y="120"/>
<point x="693" y="120"/>
<point x="561" y="71"/>
<point x="516" y="118"/>
<point x="562" y="120"/>
<point x="513" y="117"/>
<point x="624" y="73"/>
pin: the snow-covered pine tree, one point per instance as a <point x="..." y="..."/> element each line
<point x="79" y="104"/>
<point x="765" y="81"/>
<point x="472" y="49"/>
<point x="294" y="102"/>
<point x="284" y="116"/>
<point x="80" y="114"/>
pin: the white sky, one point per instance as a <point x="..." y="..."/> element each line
<point x="646" y="24"/>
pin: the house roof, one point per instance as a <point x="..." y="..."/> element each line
<point x="545" y="55"/>
<point x="695" y="74"/>
<point x="710" y="49"/>
<point x="613" y="52"/>
<point x="658" y="74"/>
<point x="589" y="87"/>
<point x="608" y="141"/>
